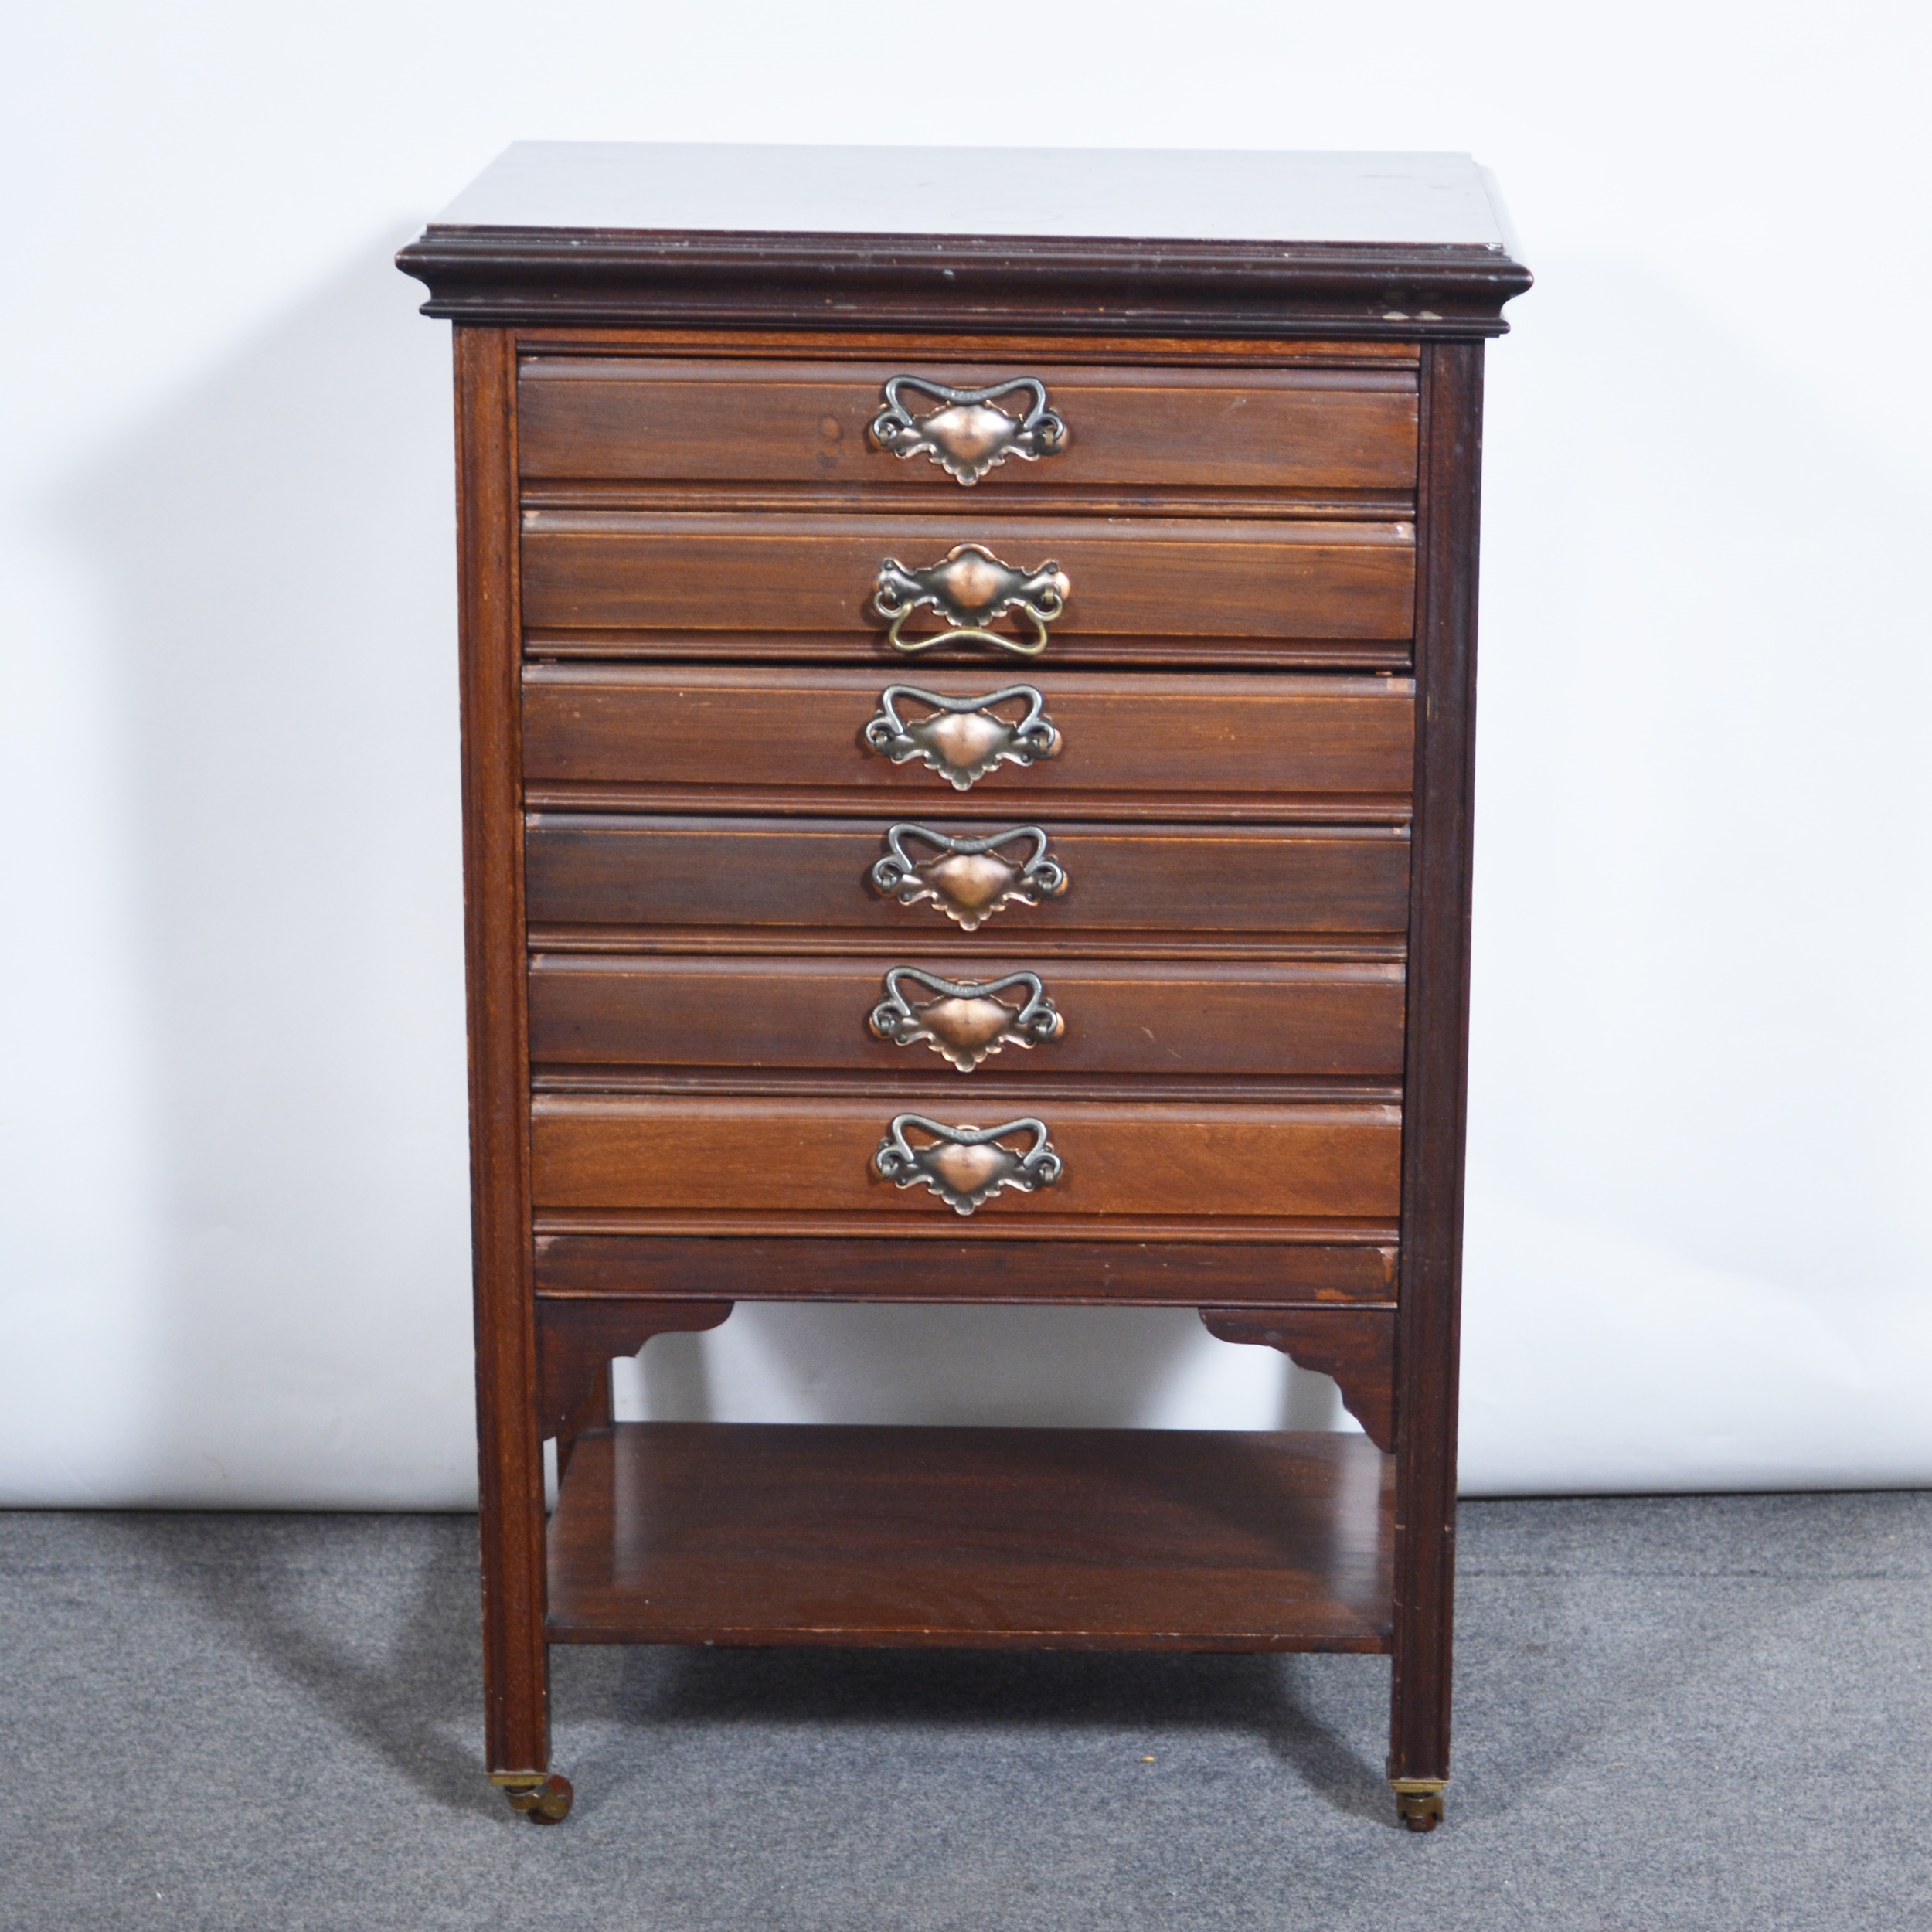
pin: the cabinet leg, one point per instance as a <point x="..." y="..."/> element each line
<point x="543" y="1797"/>
<point x="1419" y="1801"/>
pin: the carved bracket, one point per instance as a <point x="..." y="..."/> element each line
<point x="1357" y="1346"/>
<point x="963" y="738"/>
<point x="578" y="1335"/>
<point x="967" y="879"/>
<point x="966" y="1023"/>
<point x="968" y="436"/>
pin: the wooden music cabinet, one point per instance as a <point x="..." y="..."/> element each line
<point x="968" y="669"/>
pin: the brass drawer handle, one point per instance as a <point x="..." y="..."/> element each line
<point x="968" y="880"/>
<point x="965" y="738"/>
<point x="966" y="1023"/>
<point x="968" y="437"/>
<point x="969" y="587"/>
<point x="966" y="1165"/>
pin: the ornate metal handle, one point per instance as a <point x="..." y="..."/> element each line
<point x="965" y="1024"/>
<point x="965" y="738"/>
<point x="969" y="587"/>
<point x="968" y="881"/>
<point x="966" y="1165"/>
<point x="968" y="437"/>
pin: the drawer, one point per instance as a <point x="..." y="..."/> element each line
<point x="786" y="876"/>
<point x="1293" y="741"/>
<point x="804" y="584"/>
<point x="1330" y="1019"/>
<point x="1140" y="1161"/>
<point x="635" y="418"/>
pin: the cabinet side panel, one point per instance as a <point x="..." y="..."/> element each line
<point x="510" y="1456"/>
<point x="1435" y="1080"/>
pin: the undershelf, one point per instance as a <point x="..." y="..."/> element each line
<point x="1076" y="1538"/>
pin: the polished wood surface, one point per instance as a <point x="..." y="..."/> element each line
<point x="1146" y="1018"/>
<point x="1133" y="1160"/>
<point x="638" y="419"/>
<point x="1355" y="1346"/>
<point x="807" y="875"/>
<point x="1074" y="1538"/>
<point x="812" y="576"/>
<point x="1242" y="1025"/>
<point x="1374" y="246"/>
<point x="1428" y="1337"/>
<point x="1296" y="747"/>
<point x="1105" y="1272"/>
<point x="510" y="1464"/>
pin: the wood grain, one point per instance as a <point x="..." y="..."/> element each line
<point x="1339" y="1020"/>
<point x="651" y="419"/>
<point x="577" y="1339"/>
<point x="803" y="876"/>
<point x="1290" y="742"/>
<point x="1074" y="1538"/>
<point x="1428" y="1333"/>
<point x="515" y="1664"/>
<point x="1355" y="1346"/>
<point x="983" y="1269"/>
<point x="814" y="576"/>
<point x="1123" y="1158"/>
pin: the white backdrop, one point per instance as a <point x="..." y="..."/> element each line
<point x="234" y="1224"/>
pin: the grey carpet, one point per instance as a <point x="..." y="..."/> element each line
<point x="1705" y="1712"/>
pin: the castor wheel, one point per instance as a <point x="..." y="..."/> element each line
<point x="542" y="1801"/>
<point x="1420" y="1807"/>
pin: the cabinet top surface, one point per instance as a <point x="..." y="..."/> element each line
<point x="1425" y="200"/>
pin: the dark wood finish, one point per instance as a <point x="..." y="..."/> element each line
<point x="1356" y="1346"/>
<point x="685" y="1155"/>
<point x="577" y="1337"/>
<point x="672" y="520"/>
<point x="1341" y="1020"/>
<point x="939" y="1266"/>
<point x="616" y="736"/>
<point x="606" y="279"/>
<point x="510" y="1463"/>
<point x="1428" y="1332"/>
<point x="638" y="418"/>
<point x="812" y="575"/>
<point x="1062" y="1539"/>
<point x="797" y="875"/>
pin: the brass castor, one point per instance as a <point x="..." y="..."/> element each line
<point x="543" y="1801"/>
<point x="1419" y="1804"/>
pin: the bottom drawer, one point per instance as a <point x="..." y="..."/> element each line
<point x="604" y="1163"/>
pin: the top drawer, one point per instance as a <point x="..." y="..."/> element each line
<point x="636" y="419"/>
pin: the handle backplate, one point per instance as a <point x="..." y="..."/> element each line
<point x="967" y="437"/>
<point x="966" y="1021"/>
<point x="963" y="739"/>
<point x="966" y="1166"/>
<point x="968" y="879"/>
<point x="969" y="587"/>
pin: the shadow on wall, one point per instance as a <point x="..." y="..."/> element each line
<point x="277" y="550"/>
<point x="1699" y="1018"/>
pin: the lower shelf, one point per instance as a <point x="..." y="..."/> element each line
<point x="670" y="1532"/>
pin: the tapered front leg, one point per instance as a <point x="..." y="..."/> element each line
<point x="510" y="1460"/>
<point x="1434" y="1082"/>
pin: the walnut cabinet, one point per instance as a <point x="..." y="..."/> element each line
<point x="968" y="672"/>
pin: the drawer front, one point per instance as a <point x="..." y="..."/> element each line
<point x="1137" y="1162"/>
<point x="788" y="876"/>
<point x="793" y="581"/>
<point x="1071" y="1017"/>
<point x="1055" y="735"/>
<point x="632" y="418"/>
